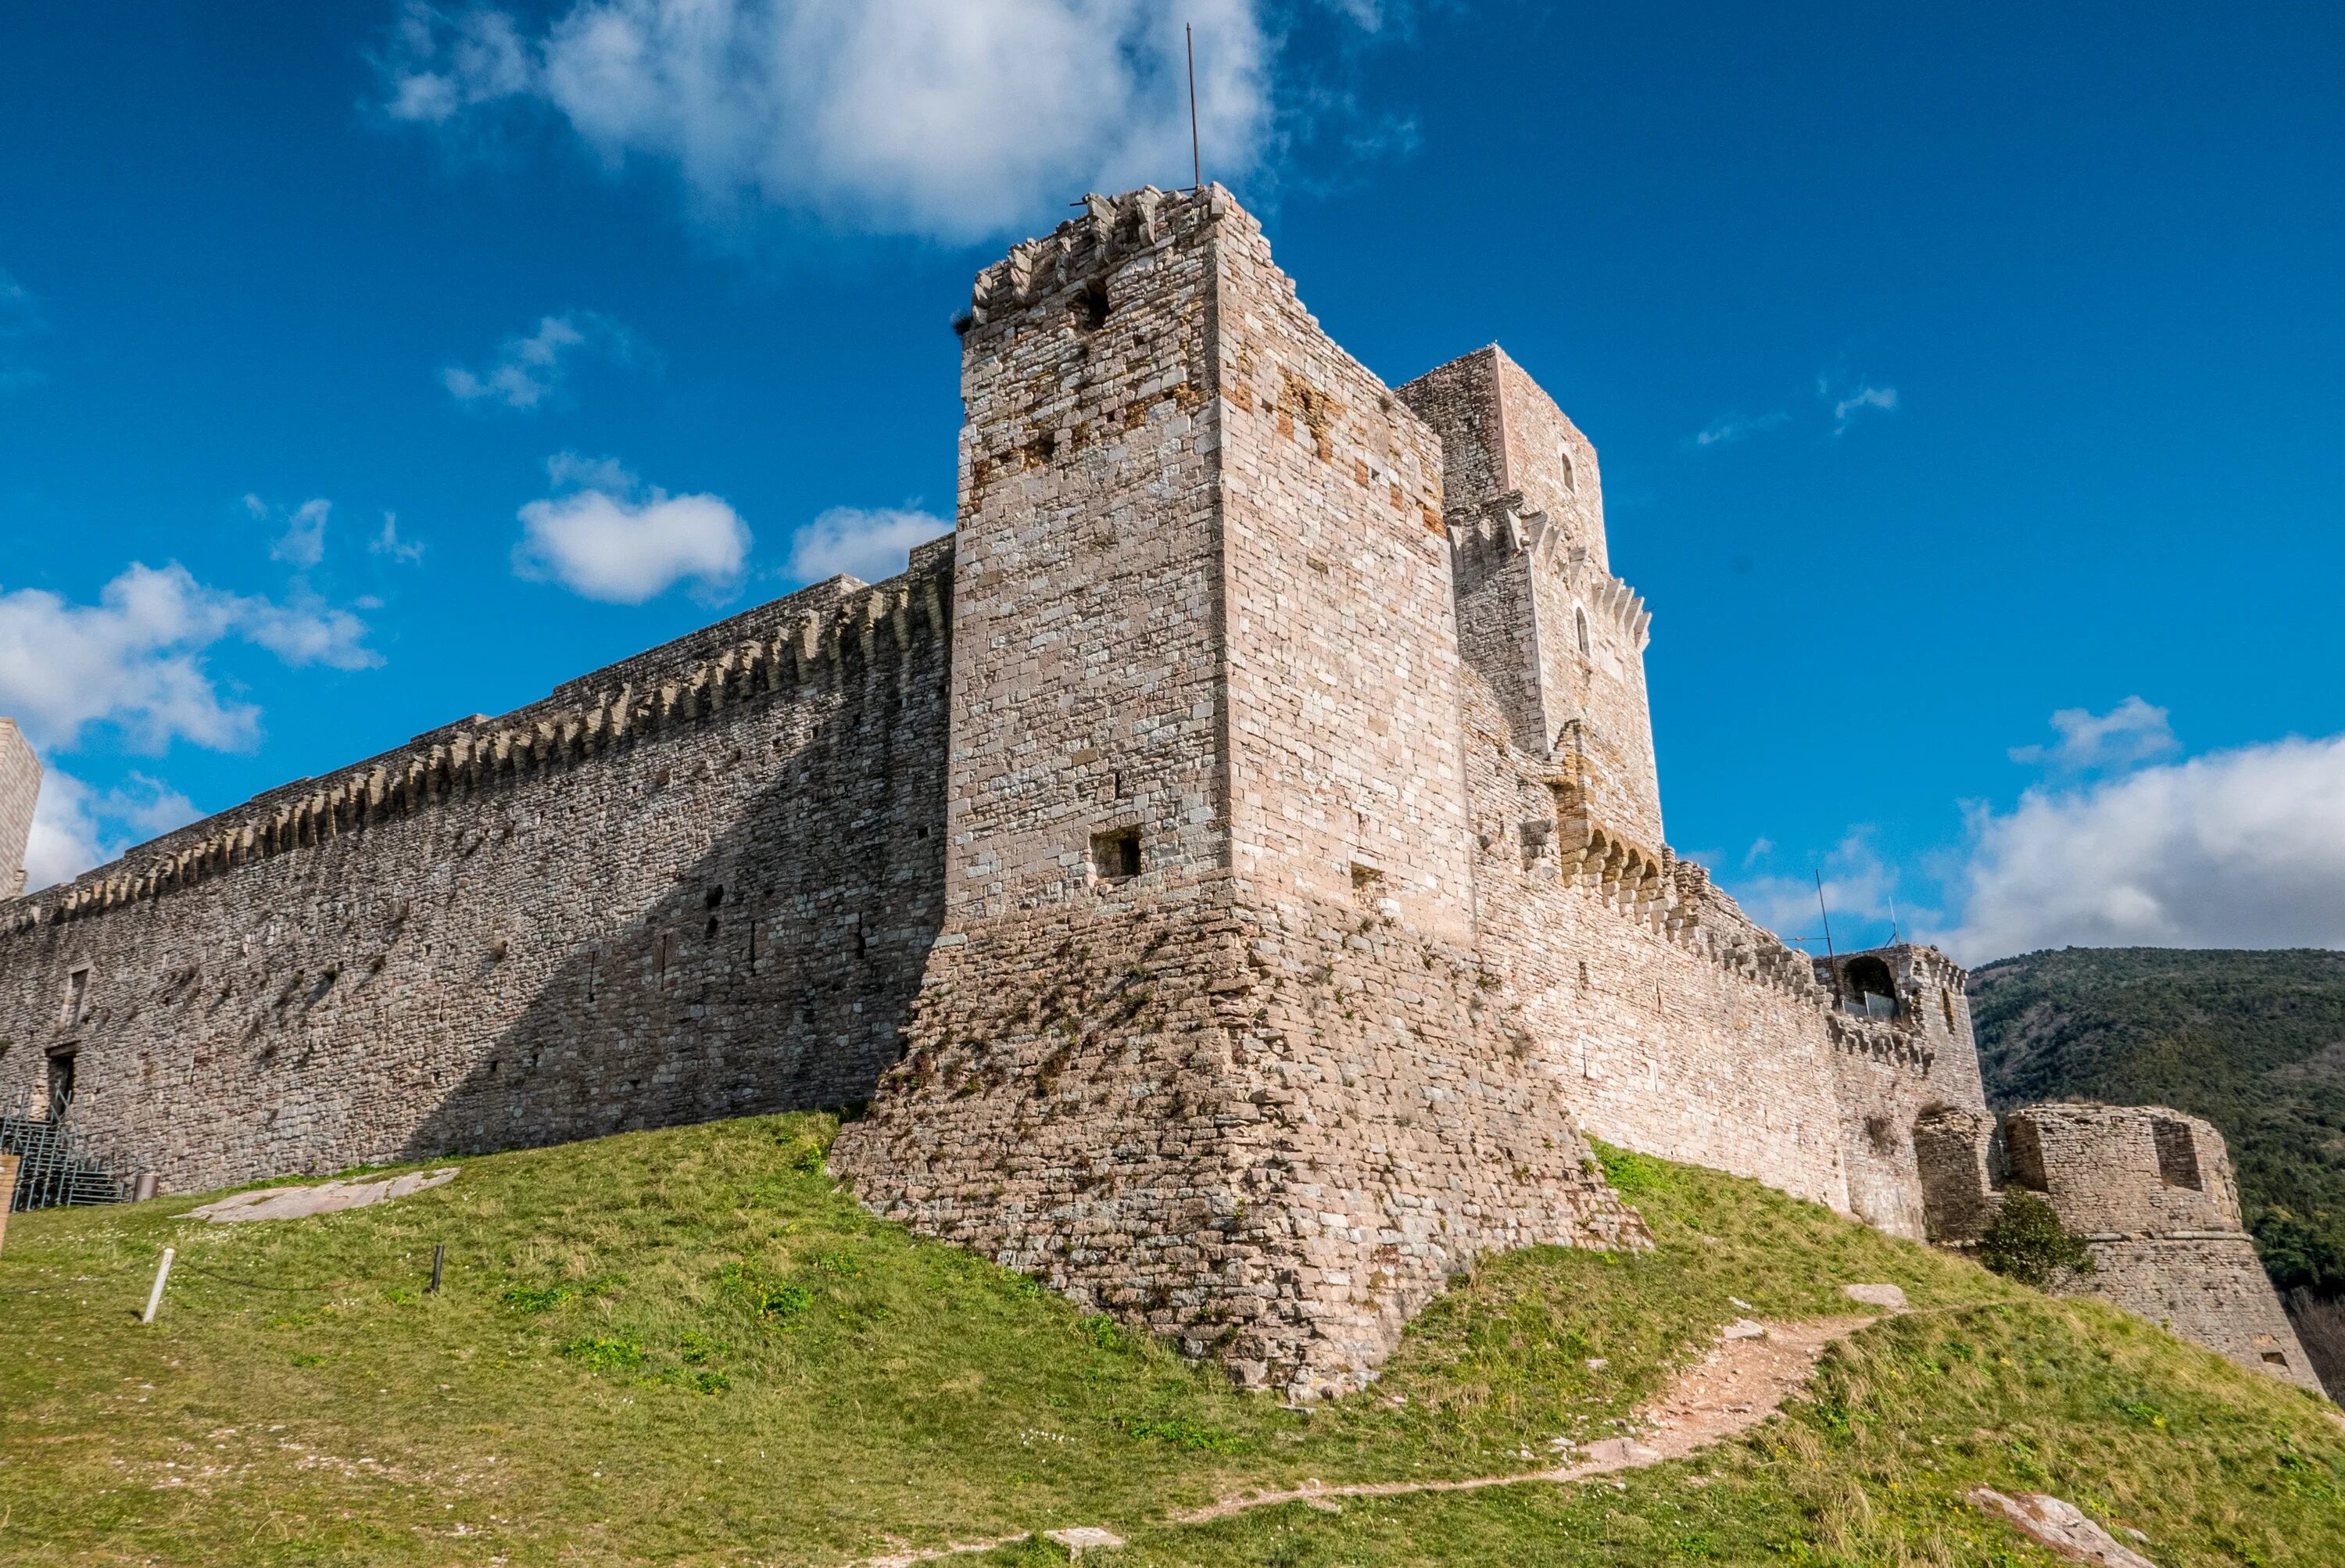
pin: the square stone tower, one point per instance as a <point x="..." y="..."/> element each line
<point x="1201" y="1040"/>
<point x="20" y="790"/>
<point x="1540" y="615"/>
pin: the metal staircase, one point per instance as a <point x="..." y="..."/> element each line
<point x="63" y="1167"/>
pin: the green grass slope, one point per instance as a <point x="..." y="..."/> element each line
<point x="2252" y="1040"/>
<point x="688" y="1346"/>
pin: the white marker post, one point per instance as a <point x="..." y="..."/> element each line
<point x="155" y="1297"/>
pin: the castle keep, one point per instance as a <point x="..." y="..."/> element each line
<point x="1230" y="865"/>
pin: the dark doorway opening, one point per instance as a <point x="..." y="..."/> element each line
<point x="61" y="1083"/>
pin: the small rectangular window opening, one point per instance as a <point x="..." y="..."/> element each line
<point x="1367" y="884"/>
<point x="76" y="987"/>
<point x="1115" y="854"/>
<point x="2275" y="1358"/>
<point x="2023" y="1148"/>
<point x="2177" y="1155"/>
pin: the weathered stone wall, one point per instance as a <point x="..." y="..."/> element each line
<point x="1676" y="1025"/>
<point x="1341" y="644"/>
<point x="2210" y="1289"/>
<point x="20" y="790"/>
<point x="1890" y="1070"/>
<point x="2124" y="1169"/>
<point x="2150" y="1190"/>
<point x="1089" y="696"/>
<point x="1961" y="1191"/>
<point x="1668" y="1022"/>
<point x="699" y="883"/>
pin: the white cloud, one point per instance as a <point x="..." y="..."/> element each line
<point x="442" y="65"/>
<point x="613" y="539"/>
<point x="135" y="658"/>
<point x="2132" y="732"/>
<point x="388" y="542"/>
<point x="303" y="543"/>
<point x="529" y="370"/>
<point x="2234" y="849"/>
<point x="1858" y="886"/>
<point x="1735" y="427"/>
<point x="931" y="116"/>
<point x="74" y="827"/>
<point x="867" y="544"/>
<point x="1847" y="407"/>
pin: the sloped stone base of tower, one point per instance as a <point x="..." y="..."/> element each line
<point x="1270" y="1136"/>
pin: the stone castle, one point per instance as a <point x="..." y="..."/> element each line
<point x="1230" y="866"/>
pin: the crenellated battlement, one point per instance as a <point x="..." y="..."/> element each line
<point x="1653" y="887"/>
<point x="774" y="651"/>
<point x="1896" y="1043"/>
<point x="1083" y="250"/>
<point x="1486" y="535"/>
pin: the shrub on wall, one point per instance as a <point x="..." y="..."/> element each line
<point x="2026" y="1242"/>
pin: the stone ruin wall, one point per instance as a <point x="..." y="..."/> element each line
<point x="2152" y="1192"/>
<point x="699" y="883"/>
<point x="20" y="789"/>
<point x="1258" y="1094"/>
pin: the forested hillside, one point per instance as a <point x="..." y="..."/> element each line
<point x="2252" y="1040"/>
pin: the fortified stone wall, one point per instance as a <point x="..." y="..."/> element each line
<point x="699" y="883"/>
<point x="1340" y="636"/>
<point x="1908" y="1051"/>
<point x="20" y="790"/>
<point x="2150" y="1190"/>
<point x="1675" y="1024"/>
<point x="1670" y="1023"/>
<point x="1244" y="1084"/>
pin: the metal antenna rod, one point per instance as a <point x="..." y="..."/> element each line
<point x="1831" y="958"/>
<point x="1196" y="161"/>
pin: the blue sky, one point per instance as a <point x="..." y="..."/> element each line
<point x="366" y="366"/>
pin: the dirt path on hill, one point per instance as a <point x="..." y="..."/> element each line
<point x="1742" y="1382"/>
<point x="1738" y="1385"/>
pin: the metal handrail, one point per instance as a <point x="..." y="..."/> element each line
<point x="60" y="1165"/>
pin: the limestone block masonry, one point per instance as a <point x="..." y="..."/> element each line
<point x="1231" y="866"/>
<point x="2152" y="1192"/>
<point x="20" y="790"/>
